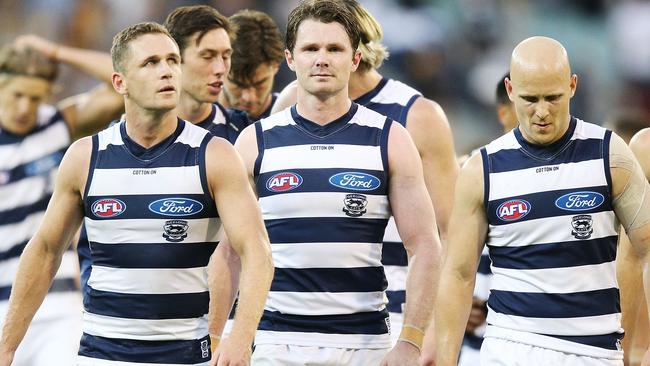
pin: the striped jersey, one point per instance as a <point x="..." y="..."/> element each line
<point x="323" y="191"/>
<point x="552" y="240"/>
<point x="28" y="167"/>
<point x="394" y="100"/>
<point x="225" y="123"/>
<point x="152" y="226"/>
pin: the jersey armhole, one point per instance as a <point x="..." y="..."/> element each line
<point x="383" y="143"/>
<point x="608" y="172"/>
<point x="486" y="177"/>
<point x="259" y="135"/>
<point x="203" y="167"/>
<point x="91" y="167"/>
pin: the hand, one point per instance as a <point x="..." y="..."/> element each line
<point x="477" y="315"/>
<point x="231" y="352"/>
<point x="403" y="354"/>
<point x="42" y="45"/>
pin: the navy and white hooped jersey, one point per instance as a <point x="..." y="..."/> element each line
<point x="323" y="194"/>
<point x="225" y="123"/>
<point x="552" y="240"/>
<point x="28" y="167"/>
<point x="152" y="226"/>
<point x="393" y="99"/>
<point x="267" y="112"/>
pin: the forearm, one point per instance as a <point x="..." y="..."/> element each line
<point x="452" y="311"/>
<point x="255" y="282"/>
<point x="223" y="277"/>
<point x="629" y="273"/>
<point x="94" y="63"/>
<point x="422" y="284"/>
<point x="34" y="276"/>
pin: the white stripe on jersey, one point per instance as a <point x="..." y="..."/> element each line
<point x="85" y="361"/>
<point x="332" y="303"/>
<point x="532" y="232"/>
<point x="36" y="146"/>
<point x="508" y="184"/>
<point x="149" y="280"/>
<point x="145" y="329"/>
<point x="323" y="339"/>
<point x="282" y="118"/>
<point x="395" y="92"/>
<point x="149" y="230"/>
<point x="326" y="255"/>
<point x="397" y="275"/>
<point x="69" y="268"/>
<point x="302" y="157"/>
<point x="26" y="191"/>
<point x="19" y="232"/>
<point x="319" y="204"/>
<point x="587" y="325"/>
<point x="110" y="182"/>
<point x="556" y="280"/>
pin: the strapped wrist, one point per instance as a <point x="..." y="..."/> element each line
<point x="214" y="342"/>
<point x="413" y="335"/>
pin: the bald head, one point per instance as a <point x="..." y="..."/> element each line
<point x="541" y="57"/>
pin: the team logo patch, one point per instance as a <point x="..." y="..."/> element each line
<point x="205" y="349"/>
<point x="580" y="201"/>
<point x="175" y="230"/>
<point x="108" y="207"/>
<point x="513" y="210"/>
<point x="583" y="226"/>
<point x="355" y="181"/>
<point x="176" y="207"/>
<point x="284" y="181"/>
<point x="355" y="204"/>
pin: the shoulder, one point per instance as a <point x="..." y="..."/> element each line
<point x="427" y="115"/>
<point x="74" y="166"/>
<point x="641" y="141"/>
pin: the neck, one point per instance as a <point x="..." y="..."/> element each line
<point x="147" y="127"/>
<point x="363" y="82"/>
<point x="322" y="110"/>
<point x="192" y="110"/>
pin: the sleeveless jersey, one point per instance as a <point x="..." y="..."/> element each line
<point x="28" y="167"/>
<point x="323" y="194"/>
<point x="552" y="240"/>
<point x="393" y="99"/>
<point x="152" y="226"/>
<point x="225" y="123"/>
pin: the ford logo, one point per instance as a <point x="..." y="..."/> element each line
<point x="175" y="207"/>
<point x="355" y="181"/>
<point x="580" y="201"/>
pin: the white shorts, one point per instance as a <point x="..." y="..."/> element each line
<point x="290" y="355"/>
<point x="396" y="321"/>
<point x="502" y="352"/>
<point x="53" y="341"/>
<point x="469" y="356"/>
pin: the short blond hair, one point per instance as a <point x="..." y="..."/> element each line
<point x="27" y="62"/>
<point x="373" y="53"/>
<point x="120" y="47"/>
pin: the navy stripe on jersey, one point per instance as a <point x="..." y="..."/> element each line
<point x="472" y="341"/>
<point x="365" y="99"/>
<point x="259" y="135"/>
<point x="540" y="207"/>
<point x="304" y="230"/>
<point x="556" y="255"/>
<point x="511" y="159"/>
<point x="19" y="214"/>
<point x="137" y="207"/>
<point x="148" y="306"/>
<point x="40" y="166"/>
<point x="484" y="265"/>
<point x="394" y="111"/>
<point x="363" y="279"/>
<point x="319" y="181"/>
<point x="357" y="323"/>
<point x="394" y="254"/>
<point x="486" y="177"/>
<point x="14" y="251"/>
<point x="395" y="300"/>
<point x="568" y="305"/>
<point x="58" y="285"/>
<point x="167" y="352"/>
<point x="355" y="135"/>
<point x="607" y="341"/>
<point x="608" y="173"/>
<point x="166" y="255"/>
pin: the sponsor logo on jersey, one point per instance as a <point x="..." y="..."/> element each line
<point x="44" y="164"/>
<point x="284" y="181"/>
<point x="582" y="226"/>
<point x="355" y="204"/>
<point x="355" y="181"/>
<point x="175" y="230"/>
<point x="176" y="206"/>
<point x="513" y="210"/>
<point x="580" y="201"/>
<point x="108" y="207"/>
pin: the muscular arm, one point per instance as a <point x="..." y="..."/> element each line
<point x="467" y="233"/>
<point x="42" y="256"/>
<point x="245" y="230"/>
<point x="223" y="276"/>
<point x="287" y="97"/>
<point x="87" y="112"/>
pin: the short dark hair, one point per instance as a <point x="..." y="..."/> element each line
<point x="326" y="11"/>
<point x="183" y="22"/>
<point x="258" y="41"/>
<point x="501" y="92"/>
<point x="120" y="47"/>
<point x="27" y="62"/>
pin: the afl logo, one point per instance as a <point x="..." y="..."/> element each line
<point x="284" y="181"/>
<point x="108" y="207"/>
<point x="355" y="181"/>
<point x="513" y="210"/>
<point x="580" y="201"/>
